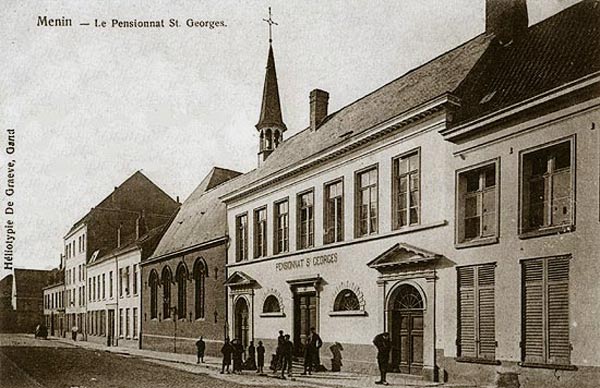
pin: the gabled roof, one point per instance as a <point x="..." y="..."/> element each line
<point x="239" y="279"/>
<point x="30" y="282"/>
<point x="270" y="110"/>
<point x="202" y="216"/>
<point x="402" y="255"/>
<point x="417" y="87"/>
<point x="128" y="186"/>
<point x="563" y="48"/>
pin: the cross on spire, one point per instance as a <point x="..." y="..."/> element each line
<point x="271" y="23"/>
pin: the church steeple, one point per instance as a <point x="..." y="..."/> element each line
<point x="270" y="123"/>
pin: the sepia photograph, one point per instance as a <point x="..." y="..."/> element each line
<point x="342" y="194"/>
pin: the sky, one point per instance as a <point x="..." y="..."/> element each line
<point x="90" y="105"/>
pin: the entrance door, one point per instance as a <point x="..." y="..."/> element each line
<point x="406" y="329"/>
<point x="241" y="321"/>
<point x="111" y="327"/>
<point x="305" y="317"/>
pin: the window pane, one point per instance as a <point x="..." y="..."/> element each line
<point x="490" y="177"/>
<point x="471" y="228"/>
<point x="489" y="224"/>
<point x="472" y="182"/>
<point x="403" y="184"/>
<point x="472" y="206"/>
<point x="489" y="201"/>
<point x="402" y="166"/>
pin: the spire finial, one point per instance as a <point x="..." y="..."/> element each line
<point x="271" y="23"/>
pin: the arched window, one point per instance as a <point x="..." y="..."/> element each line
<point x="199" y="284"/>
<point x="182" y="275"/>
<point x="166" y="284"/>
<point x="346" y="301"/>
<point x="276" y="139"/>
<point x="271" y="305"/>
<point x="268" y="140"/>
<point x="153" y="282"/>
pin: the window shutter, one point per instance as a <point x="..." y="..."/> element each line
<point x="533" y="325"/>
<point x="487" y="316"/>
<point x="466" y="305"/>
<point x="559" y="348"/>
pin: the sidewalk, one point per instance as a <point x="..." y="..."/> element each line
<point x="212" y="367"/>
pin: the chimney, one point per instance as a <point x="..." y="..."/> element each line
<point x="506" y="19"/>
<point x="318" y="107"/>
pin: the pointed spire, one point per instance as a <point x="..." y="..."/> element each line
<point x="270" y="112"/>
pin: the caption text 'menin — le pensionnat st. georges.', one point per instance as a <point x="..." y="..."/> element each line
<point x="45" y="21"/>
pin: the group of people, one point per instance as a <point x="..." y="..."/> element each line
<point x="234" y="350"/>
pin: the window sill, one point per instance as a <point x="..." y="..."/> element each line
<point x="547" y="366"/>
<point x="357" y="313"/>
<point x="474" y="360"/>
<point x="477" y="242"/>
<point x="547" y="231"/>
<point x="272" y="315"/>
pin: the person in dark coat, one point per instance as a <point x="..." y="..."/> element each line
<point x="200" y="347"/>
<point x="308" y="357"/>
<point x="383" y="344"/>
<point x="238" y="351"/>
<point x="315" y="344"/>
<point x="250" y="363"/>
<point x="226" y="350"/>
<point x="286" y="356"/>
<point x="278" y="352"/>
<point x="260" y="357"/>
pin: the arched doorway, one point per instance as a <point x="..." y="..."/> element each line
<point x="241" y="321"/>
<point x="406" y="329"/>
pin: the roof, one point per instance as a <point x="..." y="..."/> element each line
<point x="107" y="203"/>
<point x="554" y="52"/>
<point x="202" y="216"/>
<point x="30" y="282"/>
<point x="146" y="243"/>
<point x="239" y="279"/>
<point x="401" y="255"/>
<point x="423" y="84"/>
<point x="270" y="111"/>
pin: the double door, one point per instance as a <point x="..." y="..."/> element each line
<point x="407" y="341"/>
<point x="305" y="317"/>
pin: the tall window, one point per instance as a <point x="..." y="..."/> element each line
<point x="121" y="322"/>
<point x="407" y="190"/>
<point x="135" y="279"/>
<point x="281" y="227"/>
<point x="120" y="281"/>
<point x="477" y="214"/>
<point x="166" y="286"/>
<point x="366" y="202"/>
<point x="306" y="220"/>
<point x="153" y="283"/>
<point x="127" y="281"/>
<point x="334" y="212"/>
<point x="181" y="291"/>
<point x="127" y="325"/>
<point x="94" y="290"/>
<point x="135" y="322"/>
<point x="547" y="188"/>
<point x="99" y="287"/>
<point x="260" y="232"/>
<point x="241" y="237"/>
<point x="476" y="315"/>
<point x="103" y="286"/>
<point x="90" y="289"/>
<point x="110" y="284"/>
<point x="199" y="285"/>
<point x="545" y="326"/>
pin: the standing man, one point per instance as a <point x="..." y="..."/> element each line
<point x="226" y="350"/>
<point x="383" y="344"/>
<point x="200" y="347"/>
<point x="315" y="344"/>
<point x="260" y="357"/>
<point x="279" y="351"/>
<point x="286" y="357"/>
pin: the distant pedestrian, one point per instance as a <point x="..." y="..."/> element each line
<point x="315" y="345"/>
<point x="238" y="351"/>
<point x="278" y="352"/>
<point x="308" y="357"/>
<point x="226" y="350"/>
<point x="260" y="357"/>
<point x="200" y="347"/>
<point x="74" y="331"/>
<point x="383" y="344"/>
<point x="286" y="356"/>
<point x="250" y="363"/>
